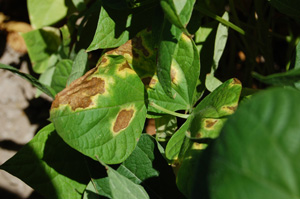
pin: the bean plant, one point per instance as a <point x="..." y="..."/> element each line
<point x="220" y="79"/>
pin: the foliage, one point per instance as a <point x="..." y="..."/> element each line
<point x="113" y="65"/>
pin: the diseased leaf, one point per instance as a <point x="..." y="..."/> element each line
<point x="41" y="44"/>
<point x="79" y="66"/>
<point x="178" y="12"/>
<point x="123" y="188"/>
<point x="61" y="74"/>
<point x="256" y="154"/>
<point x="45" y="13"/>
<point x="50" y="166"/>
<point x="46" y="89"/>
<point x="168" y="40"/>
<point x="183" y="73"/>
<point x="207" y="120"/>
<point x="210" y="114"/>
<point x="103" y="112"/>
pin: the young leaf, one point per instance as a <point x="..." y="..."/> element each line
<point x="220" y="42"/>
<point x="178" y="12"/>
<point x="46" y="89"/>
<point x="103" y="112"/>
<point x="61" y="74"/>
<point x="256" y="154"/>
<point x="123" y="188"/>
<point x="45" y="13"/>
<point x="79" y="66"/>
<point x="50" y="166"/>
<point x="115" y="27"/>
<point x="41" y="44"/>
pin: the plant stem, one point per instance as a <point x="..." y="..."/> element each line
<point x="185" y="116"/>
<point x="220" y="19"/>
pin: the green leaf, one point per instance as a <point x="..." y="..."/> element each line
<point x="289" y="78"/>
<point x="46" y="13"/>
<point x="111" y="32"/>
<point x="212" y="82"/>
<point x="175" y="145"/>
<point x="220" y="42"/>
<point x="64" y="50"/>
<point x="256" y="154"/>
<point x="90" y="192"/>
<point x="79" y="4"/>
<point x="46" y="79"/>
<point x="46" y="89"/>
<point x="165" y="127"/>
<point x="103" y="187"/>
<point x="138" y="166"/>
<point x="288" y="7"/>
<point x="178" y="12"/>
<point x="79" y="66"/>
<point x="115" y="27"/>
<point x="50" y="166"/>
<point x="205" y="42"/>
<point x="103" y="112"/>
<point x="98" y="188"/>
<point x="121" y="187"/>
<point x="41" y="44"/>
<point x="61" y="74"/>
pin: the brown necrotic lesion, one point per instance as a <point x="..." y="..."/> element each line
<point x="123" y="120"/>
<point x="80" y="92"/>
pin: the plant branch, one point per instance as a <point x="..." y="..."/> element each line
<point x="185" y="116"/>
<point x="220" y="19"/>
